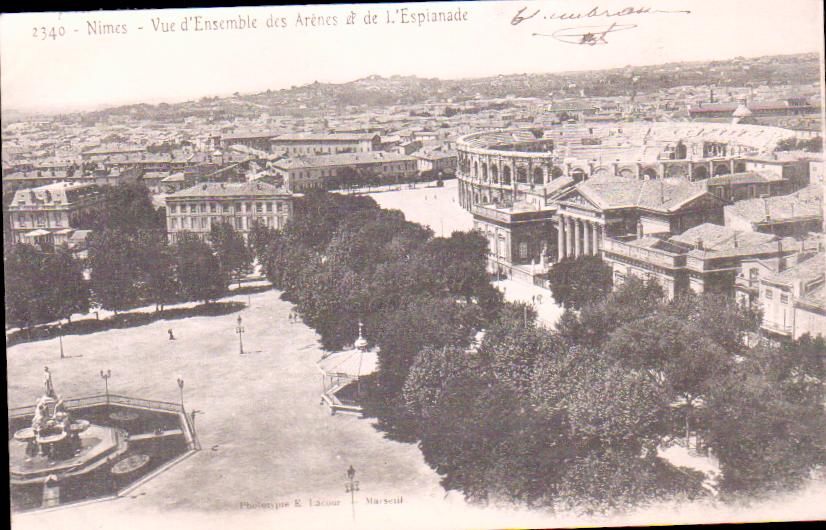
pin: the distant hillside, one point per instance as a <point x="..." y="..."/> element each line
<point x="375" y="90"/>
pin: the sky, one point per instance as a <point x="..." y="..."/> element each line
<point x="80" y="70"/>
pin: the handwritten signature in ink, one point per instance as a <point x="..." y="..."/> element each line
<point x="587" y="35"/>
<point x="595" y="12"/>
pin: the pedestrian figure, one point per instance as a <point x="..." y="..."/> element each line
<point x="171" y="336"/>
<point x="47" y="382"/>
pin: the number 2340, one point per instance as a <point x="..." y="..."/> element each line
<point x="43" y="33"/>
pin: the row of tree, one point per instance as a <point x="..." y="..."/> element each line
<point x="129" y="263"/>
<point x="574" y="417"/>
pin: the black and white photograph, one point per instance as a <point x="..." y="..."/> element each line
<point x="437" y="265"/>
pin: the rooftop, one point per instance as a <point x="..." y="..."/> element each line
<point x="807" y="202"/>
<point x="341" y="159"/>
<point x="229" y="189"/>
<point x="663" y="195"/>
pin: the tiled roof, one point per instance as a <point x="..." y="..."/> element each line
<point x="229" y="189"/>
<point x="663" y="195"/>
<point x="339" y="137"/>
<point x="748" y="177"/>
<point x="341" y="159"/>
<point x="717" y="237"/>
<point x="807" y="202"/>
<point x="807" y="270"/>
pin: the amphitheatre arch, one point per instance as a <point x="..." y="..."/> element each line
<point x="521" y="174"/>
<point x="676" y="171"/>
<point x="578" y="174"/>
<point x="538" y="175"/>
<point x="699" y="173"/>
<point x="649" y="173"/>
<point x="721" y="169"/>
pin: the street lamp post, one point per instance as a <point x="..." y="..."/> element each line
<point x="239" y="329"/>
<point x="352" y="488"/>
<point x="105" y="376"/>
<point x="60" y="338"/>
<point x="181" y="387"/>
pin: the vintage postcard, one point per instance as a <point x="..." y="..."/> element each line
<point x="449" y="265"/>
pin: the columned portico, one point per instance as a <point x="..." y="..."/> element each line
<point x="577" y="237"/>
<point x="560" y="239"/>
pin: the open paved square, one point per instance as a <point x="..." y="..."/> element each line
<point x="264" y="435"/>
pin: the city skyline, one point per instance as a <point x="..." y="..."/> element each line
<point x="142" y="66"/>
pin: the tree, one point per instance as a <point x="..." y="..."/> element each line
<point x="157" y="266"/>
<point x="113" y="272"/>
<point x="199" y="271"/>
<point x="23" y="281"/>
<point x="591" y="326"/>
<point x="232" y="252"/>
<point x="675" y="355"/>
<point x="722" y="319"/>
<point x="580" y="281"/>
<point x="766" y="436"/>
<point x="127" y="207"/>
<point x="65" y="290"/>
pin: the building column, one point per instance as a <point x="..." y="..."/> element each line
<point x="587" y="238"/>
<point x="560" y="239"/>
<point x="595" y="244"/>
<point x="577" y="238"/>
<point x="569" y="237"/>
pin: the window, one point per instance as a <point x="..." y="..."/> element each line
<point x="213" y="207"/>
<point x="203" y="208"/>
<point x="784" y="298"/>
<point x="226" y="208"/>
<point x="173" y="208"/>
<point x="768" y="294"/>
<point x="259" y="208"/>
<point x="523" y="250"/>
<point x="269" y="207"/>
<point x="619" y="278"/>
<point x="752" y="274"/>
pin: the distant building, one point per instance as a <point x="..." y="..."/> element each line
<point x="600" y="209"/>
<point x="436" y="162"/>
<point x="786" y="107"/>
<point x="795" y="214"/>
<point x="747" y="185"/>
<point x="703" y="259"/>
<point x="241" y="204"/>
<point x="37" y="215"/>
<point x="790" y="292"/>
<point x="519" y="238"/>
<point x="302" y="144"/>
<point x="255" y="140"/>
<point x="306" y="172"/>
